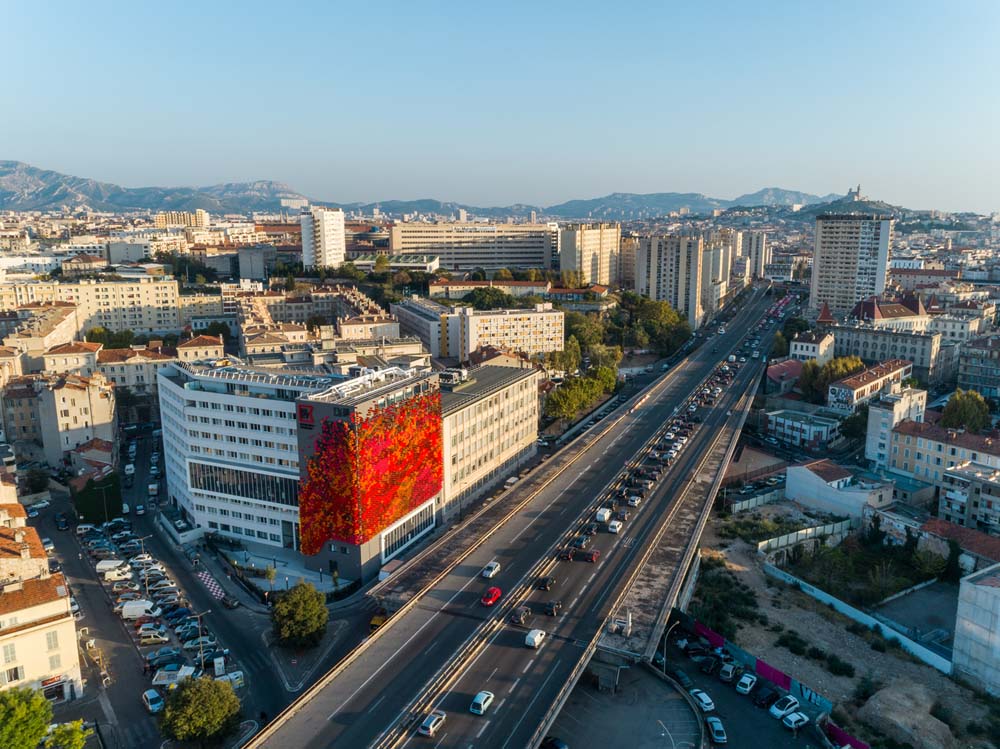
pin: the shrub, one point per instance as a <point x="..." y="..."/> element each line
<point x="838" y="667"/>
<point x="865" y="688"/>
<point x="878" y="646"/>
<point x="816" y="654"/>
<point x="855" y="628"/>
<point x="793" y="642"/>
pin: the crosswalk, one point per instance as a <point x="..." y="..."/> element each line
<point x="139" y="734"/>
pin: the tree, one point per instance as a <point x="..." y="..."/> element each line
<point x="953" y="569"/>
<point x="200" y="279"/>
<point x="502" y="274"/>
<point x="401" y="279"/>
<point x="855" y="427"/>
<point x="38" y="480"/>
<point x="780" y="346"/>
<point x="477" y="274"/>
<point x="588" y="329"/>
<point x="200" y="710"/>
<point x="489" y="298"/>
<point x="72" y="735"/>
<point x="25" y="715"/>
<point x="290" y="283"/>
<point x="793" y="326"/>
<point x="571" y="279"/>
<point x="381" y="264"/>
<point x="815" y="380"/>
<point x="349" y="270"/>
<point x="568" y="360"/>
<point x="217" y="329"/>
<point x="315" y="321"/>
<point x="270" y="573"/>
<point x="606" y="377"/>
<point x="929" y="564"/>
<point x="605" y="356"/>
<point x="967" y="410"/>
<point x="300" y="615"/>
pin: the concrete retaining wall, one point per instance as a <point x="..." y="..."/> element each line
<point x="806" y="534"/>
<point x="775" y="495"/>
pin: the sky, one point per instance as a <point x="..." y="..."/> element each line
<point x="515" y="102"/>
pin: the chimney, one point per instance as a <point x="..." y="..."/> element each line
<point x="25" y="551"/>
<point x="19" y="536"/>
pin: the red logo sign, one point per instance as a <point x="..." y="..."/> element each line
<point x="306" y="414"/>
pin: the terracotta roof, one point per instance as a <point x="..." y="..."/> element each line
<point x="34" y="592"/>
<point x="14" y="510"/>
<point x="925" y="272"/>
<point x="976" y="442"/>
<point x="201" y="341"/>
<point x="786" y="370"/>
<point x="876" y="309"/>
<point x="8" y="351"/>
<point x="828" y="470"/>
<point x="488" y="284"/>
<point x="811" y="336"/>
<point x="75" y="347"/>
<point x="979" y="543"/>
<point x="95" y="444"/>
<point x="10" y="547"/>
<point x="872" y="374"/>
<point x="85" y="259"/>
<point x="986" y="342"/>
<point x="825" y="315"/>
<point x="119" y="355"/>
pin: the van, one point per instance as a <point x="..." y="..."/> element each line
<point x="117" y="575"/>
<point x="603" y="515"/>
<point x="534" y="638"/>
<point x="106" y="565"/>
<point x="125" y="508"/>
<point x="235" y="678"/>
<point x="84" y="528"/>
<point x="510" y="482"/>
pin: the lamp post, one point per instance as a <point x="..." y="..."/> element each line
<point x="201" y="642"/>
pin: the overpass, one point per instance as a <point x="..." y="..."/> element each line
<point x="441" y="647"/>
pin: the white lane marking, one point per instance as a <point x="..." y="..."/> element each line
<point x="527" y="666"/>
<point x="493" y="674"/>
<point x="524" y="712"/>
<point x="375" y="703"/>
<point x="591" y="578"/>
<point x="573" y="603"/>
<point x="483" y="729"/>
<point x="440" y="740"/>
<point x="500" y="704"/>
<point x="513" y="685"/>
<point x="399" y="650"/>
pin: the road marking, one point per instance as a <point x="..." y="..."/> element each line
<point x="500" y="704"/>
<point x="440" y="740"/>
<point x="493" y="674"/>
<point x="574" y="601"/>
<point x="375" y="703"/>
<point x="591" y="578"/>
<point x="524" y="712"/>
<point x="481" y="730"/>
<point x="513" y="685"/>
<point x="527" y="666"/>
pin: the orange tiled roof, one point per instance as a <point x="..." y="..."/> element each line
<point x="75" y="347"/>
<point x="975" y="442"/>
<point x="979" y="543"/>
<point x="828" y="470"/>
<point x="873" y="374"/>
<point x="34" y="592"/>
<point x="10" y="547"/>
<point x="201" y="341"/>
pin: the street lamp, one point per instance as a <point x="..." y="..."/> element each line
<point x="142" y="545"/>
<point x="201" y="642"/>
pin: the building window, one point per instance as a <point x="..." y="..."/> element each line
<point x="52" y="640"/>
<point x="12" y="674"/>
<point x="9" y="653"/>
<point x="55" y="662"/>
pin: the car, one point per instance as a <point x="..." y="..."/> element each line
<point x="784" y="706"/>
<point x="41" y="505"/>
<point x="48" y="545"/>
<point x="581" y="542"/>
<point x="434" y="720"/>
<point x="546" y="582"/>
<point x="621" y="515"/>
<point x="54" y="567"/>
<point x="141" y="560"/>
<point x="709" y="665"/>
<point x="591" y="556"/>
<point x="230" y="602"/>
<point x="187" y="629"/>
<point x="765" y="697"/>
<point x="590" y="529"/>
<point x="128" y="595"/>
<point x="634" y="500"/>
<point x="150" y="628"/>
<point x="795" y="721"/>
<point x="62" y="522"/>
<point x="176" y="614"/>
<point x="164" y="584"/>
<point x="140" y="510"/>
<point x="153" y="638"/>
<point x="730" y="672"/>
<point x="520" y="615"/>
<point x="481" y="703"/>
<point x="614" y="526"/>
<point x="166" y="652"/>
<point x="491" y="596"/>
<point x="73" y="605"/>
<point x="716" y="730"/>
<point x="552" y="608"/>
<point x="210" y="656"/>
<point x="169" y="599"/>
<point x="551" y="742"/>
<point x="702" y="700"/>
<point x="746" y="684"/>
<point x="491" y="570"/>
<point x="153" y="701"/>
<point x="681" y="678"/>
<point x="200" y="643"/>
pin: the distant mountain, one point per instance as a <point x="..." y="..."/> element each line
<point x="626" y="205"/>
<point x="776" y="196"/>
<point x="27" y="188"/>
<point x="845" y="204"/>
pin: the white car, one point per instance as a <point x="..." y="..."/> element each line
<point x="716" y="730"/>
<point x="746" y="684"/>
<point x="432" y="723"/>
<point x="784" y="706"/>
<point x="140" y="510"/>
<point x="41" y="505"/>
<point x="702" y="699"/>
<point x="795" y="721"/>
<point x="481" y="703"/>
<point x="634" y="501"/>
<point x="48" y="545"/>
<point x="614" y="526"/>
<point x="491" y="570"/>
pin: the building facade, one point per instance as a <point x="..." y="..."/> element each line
<point x="850" y="260"/>
<point x="970" y="496"/>
<point x="979" y="366"/>
<point x="669" y="269"/>
<point x="590" y="250"/>
<point x="812" y="345"/>
<point x="468" y="245"/>
<point x="324" y="243"/>
<point x="930" y="363"/>
<point x="753" y="245"/>
<point x="850" y="393"/>
<point x="883" y="416"/>
<point x="823" y="485"/>
<point x="926" y="451"/>
<point x="976" y="651"/>
<point x="802" y="429"/>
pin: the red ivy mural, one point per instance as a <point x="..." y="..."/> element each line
<point x="368" y="473"/>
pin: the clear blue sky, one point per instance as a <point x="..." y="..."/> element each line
<point x="494" y="103"/>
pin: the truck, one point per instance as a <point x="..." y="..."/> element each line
<point x="154" y="489"/>
<point x="603" y="515"/>
<point x="165" y="677"/>
<point x="106" y="565"/>
<point x="140" y="608"/>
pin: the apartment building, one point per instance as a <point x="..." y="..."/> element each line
<point x="490" y="422"/>
<point x="468" y="245"/>
<point x="754" y="246"/>
<point x="76" y="357"/>
<point x="669" y="269"/>
<point x="885" y="414"/>
<point x="461" y="289"/>
<point x="932" y="362"/>
<point x="38" y="327"/>
<point x="324" y="243"/>
<point x="135" y="368"/>
<point x="627" y="250"/>
<point x="367" y="327"/>
<point x="850" y="393"/>
<point x="812" y="345"/>
<point x="456" y="332"/>
<point x="979" y="366"/>
<point x="926" y="451"/>
<point x="590" y="250"/>
<point x="192" y="306"/>
<point x="912" y="279"/>
<point x="201" y="348"/>
<point x="969" y="495"/>
<point x="165" y="219"/>
<point x="907" y="315"/>
<point x="850" y="259"/>
<point x="715" y="268"/>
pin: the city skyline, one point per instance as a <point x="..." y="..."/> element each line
<point x="538" y="106"/>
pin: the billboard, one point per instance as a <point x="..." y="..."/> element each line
<point x="366" y="473"/>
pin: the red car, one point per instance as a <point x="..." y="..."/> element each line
<point x="591" y="556"/>
<point x="491" y="596"/>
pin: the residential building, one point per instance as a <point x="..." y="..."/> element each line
<point x="932" y="362"/>
<point x="455" y="332"/>
<point x="802" y="429"/>
<point x="825" y="486"/>
<point x="908" y="315"/>
<point x="812" y="345"/>
<point x="324" y="244"/>
<point x="76" y="357"/>
<point x="912" y="279"/>
<point x="970" y="496"/>
<point x="852" y="392"/>
<point x="192" y="306"/>
<point x="925" y="451"/>
<point x="199" y="219"/>
<point x="39" y="327"/>
<point x="781" y="377"/>
<point x="467" y="245"/>
<point x="715" y="267"/>
<point x="591" y="250"/>
<point x="753" y="245"/>
<point x="957" y="328"/>
<point x="461" y="289"/>
<point x="884" y="414"/>
<point x="367" y="327"/>
<point x="669" y="269"/>
<point x="979" y="366"/>
<point x="626" y="262"/>
<point x="977" y="631"/>
<point x="135" y="368"/>
<point x="83" y="265"/>
<point x="490" y="422"/>
<point x="201" y="348"/>
<point x="850" y="259"/>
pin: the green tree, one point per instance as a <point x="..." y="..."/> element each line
<point x="200" y="279"/>
<point x="815" y="380"/>
<point x="477" y="274"/>
<point x="401" y="279"/>
<point x="200" y="710"/>
<point x="953" y="569"/>
<point x="793" y="326"/>
<point x="605" y="356"/>
<point x="300" y="615"/>
<point x="382" y="264"/>
<point x="929" y="564"/>
<point x="38" y="480"/>
<point x="587" y="329"/>
<point x="315" y="321"/>
<point x="290" y="283"/>
<point x="25" y="715"/>
<point x="502" y="274"/>
<point x="571" y="279"/>
<point x="780" y="345"/>
<point x="568" y="360"/>
<point x="71" y="735"/>
<point x="217" y="329"/>
<point x="607" y="377"/>
<point x="855" y="427"/>
<point x="489" y="298"/>
<point x="349" y="270"/>
<point x="967" y="410"/>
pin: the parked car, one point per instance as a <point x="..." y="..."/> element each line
<point x="162" y="653"/>
<point x="153" y="701"/>
<point x="702" y="699"/>
<point x="795" y="721"/>
<point x="200" y="643"/>
<point x="765" y="697"/>
<point x="784" y="706"/>
<point x="716" y="730"/>
<point x="730" y="672"/>
<point x="746" y="684"/>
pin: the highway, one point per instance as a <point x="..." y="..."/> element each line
<point x="448" y="646"/>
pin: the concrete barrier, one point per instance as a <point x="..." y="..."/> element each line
<point x="807" y="534"/>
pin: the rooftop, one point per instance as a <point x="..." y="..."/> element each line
<point x="828" y="470"/>
<point x="812" y="336"/>
<point x="201" y="341"/>
<point x="12" y="539"/>
<point x="74" y="347"/>
<point x="34" y="592"/>
<point x="935" y="433"/>
<point x="979" y="543"/>
<point x="872" y="375"/>
<point x="785" y="370"/>
<point x="483" y="381"/>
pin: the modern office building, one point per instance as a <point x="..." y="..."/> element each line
<point x="468" y="245"/>
<point x="590" y="250"/>
<point x="885" y="414"/>
<point x="669" y="269"/>
<point x="456" y="332"/>
<point x="324" y="243"/>
<point x="850" y="260"/>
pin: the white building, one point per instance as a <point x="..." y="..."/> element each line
<point x="810" y="345"/>
<point x="757" y="252"/>
<point x="976" y="651"/>
<point x="715" y="267"/>
<point x="801" y="429"/>
<point x="883" y="416"/>
<point x="468" y="245"/>
<point x="668" y="269"/>
<point x="590" y="250"/>
<point x="850" y="260"/>
<point x="823" y="485"/>
<point x="324" y="243"/>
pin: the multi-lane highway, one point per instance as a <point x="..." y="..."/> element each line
<point x="448" y="647"/>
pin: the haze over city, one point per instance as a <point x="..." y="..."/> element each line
<point x="531" y="103"/>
